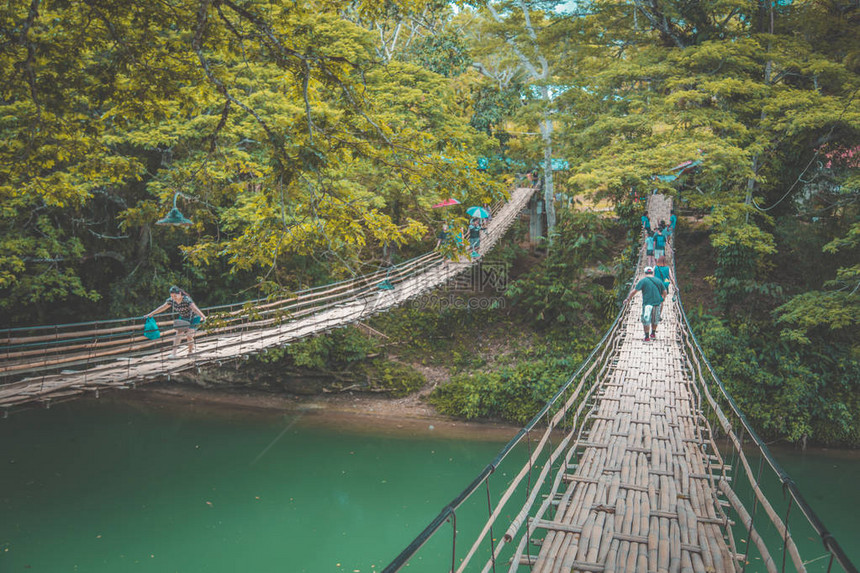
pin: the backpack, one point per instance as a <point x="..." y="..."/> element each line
<point x="150" y="329"/>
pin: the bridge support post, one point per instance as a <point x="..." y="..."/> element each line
<point x="535" y="218"/>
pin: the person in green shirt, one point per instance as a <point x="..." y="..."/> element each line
<point x="659" y="243"/>
<point x="653" y="291"/>
<point x="663" y="272"/>
<point x="673" y="220"/>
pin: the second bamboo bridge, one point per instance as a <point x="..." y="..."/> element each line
<point x="41" y="365"/>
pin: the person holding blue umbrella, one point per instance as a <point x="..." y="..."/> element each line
<point x="475" y="230"/>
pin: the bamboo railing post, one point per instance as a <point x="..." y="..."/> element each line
<point x="752" y="517"/>
<point x="786" y="535"/>
<point x="453" y="521"/>
<point x="490" y="515"/>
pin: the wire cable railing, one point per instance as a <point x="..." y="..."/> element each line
<point x="737" y="429"/>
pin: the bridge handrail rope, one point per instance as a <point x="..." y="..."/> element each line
<point x="41" y="352"/>
<point x="522" y="516"/>
<point x="828" y="540"/>
<point x="302" y="295"/>
<point x="298" y="293"/>
<point x="449" y="510"/>
<point x="458" y="500"/>
<point x="494" y="209"/>
<point x="297" y="300"/>
<point x="237" y="318"/>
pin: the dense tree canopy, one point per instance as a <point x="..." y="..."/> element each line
<point x="286" y="136"/>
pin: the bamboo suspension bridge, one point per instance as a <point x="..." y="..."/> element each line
<point x="41" y="365"/>
<point x="641" y="462"/>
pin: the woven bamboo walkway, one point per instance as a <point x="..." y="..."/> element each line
<point x="639" y="494"/>
<point x="98" y="364"/>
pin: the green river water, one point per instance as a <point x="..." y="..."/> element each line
<point x="108" y="486"/>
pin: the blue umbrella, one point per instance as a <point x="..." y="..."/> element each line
<point x="478" y="212"/>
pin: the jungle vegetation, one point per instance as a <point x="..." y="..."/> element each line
<point x="308" y="140"/>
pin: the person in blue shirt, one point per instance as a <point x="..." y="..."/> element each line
<point x="664" y="272"/>
<point x="646" y="223"/>
<point x="652" y="299"/>
<point x="659" y="244"/>
<point x="649" y="248"/>
<point x="670" y="230"/>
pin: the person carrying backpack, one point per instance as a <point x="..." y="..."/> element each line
<point x="673" y="220"/>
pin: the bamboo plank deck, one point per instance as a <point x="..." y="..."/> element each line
<point x="128" y="369"/>
<point x="640" y="494"/>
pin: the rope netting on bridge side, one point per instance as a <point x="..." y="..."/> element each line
<point x="763" y="513"/>
<point x="43" y="363"/>
<point x="771" y="511"/>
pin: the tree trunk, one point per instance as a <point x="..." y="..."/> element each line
<point x="548" y="194"/>
<point x="768" y="70"/>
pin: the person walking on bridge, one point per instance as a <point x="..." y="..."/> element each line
<point x="653" y="291"/>
<point x="649" y="247"/>
<point x="663" y="272"/>
<point x="187" y="320"/>
<point x="673" y="220"/>
<point x="659" y="243"/>
<point x="475" y="230"/>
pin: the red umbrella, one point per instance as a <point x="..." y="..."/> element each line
<point x="446" y="203"/>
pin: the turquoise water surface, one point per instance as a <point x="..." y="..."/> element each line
<point x="109" y="486"/>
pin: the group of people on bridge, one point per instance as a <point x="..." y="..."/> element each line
<point x="446" y="237"/>
<point x="654" y="286"/>
<point x="656" y="240"/>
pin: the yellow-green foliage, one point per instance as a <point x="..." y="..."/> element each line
<point x="276" y="122"/>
